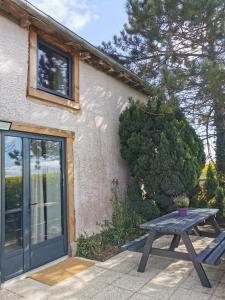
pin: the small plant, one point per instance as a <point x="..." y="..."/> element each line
<point x="181" y="201"/>
<point x="123" y="226"/>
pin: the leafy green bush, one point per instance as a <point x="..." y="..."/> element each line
<point x="211" y="193"/>
<point x="114" y="233"/>
<point x="164" y="153"/>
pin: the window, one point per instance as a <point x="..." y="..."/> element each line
<point x="54" y="71"/>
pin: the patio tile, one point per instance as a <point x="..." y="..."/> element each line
<point x="166" y="282"/>
<point x="91" y="289"/>
<point x="220" y="290"/>
<point x="149" y="273"/>
<point x="108" y="276"/>
<point x="121" y="267"/>
<point x="131" y="283"/>
<point x="184" y="294"/>
<point x="157" y="291"/>
<point x="113" y="293"/>
<point x="217" y="298"/>
<point x="7" y="295"/>
<point x="89" y="274"/>
<point x="158" y="262"/>
<point x="29" y="288"/>
<point x="212" y="274"/>
<point x="194" y="284"/>
<point x="138" y="296"/>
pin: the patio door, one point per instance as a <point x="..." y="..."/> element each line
<point x="33" y="210"/>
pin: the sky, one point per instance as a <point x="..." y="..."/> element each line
<point x="93" y="20"/>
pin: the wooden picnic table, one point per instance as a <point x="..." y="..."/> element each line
<point x="182" y="227"/>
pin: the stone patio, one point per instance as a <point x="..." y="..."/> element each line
<point x="117" y="279"/>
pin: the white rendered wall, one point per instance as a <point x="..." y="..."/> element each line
<point x="96" y="150"/>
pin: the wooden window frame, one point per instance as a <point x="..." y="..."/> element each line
<point x="40" y="94"/>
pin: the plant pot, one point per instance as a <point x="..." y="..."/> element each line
<point x="182" y="211"/>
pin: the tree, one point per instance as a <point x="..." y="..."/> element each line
<point x="164" y="153"/>
<point x="178" y="46"/>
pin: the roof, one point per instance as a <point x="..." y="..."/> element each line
<point x="26" y="14"/>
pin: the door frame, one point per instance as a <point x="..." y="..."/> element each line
<point x="69" y="137"/>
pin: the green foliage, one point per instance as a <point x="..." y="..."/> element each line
<point x="211" y="193"/>
<point x="164" y="153"/>
<point x="211" y="183"/>
<point x="123" y="227"/>
<point x="181" y="201"/>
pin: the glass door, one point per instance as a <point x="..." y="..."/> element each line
<point x="33" y="202"/>
<point x="46" y="192"/>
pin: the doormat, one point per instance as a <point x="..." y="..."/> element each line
<point x="61" y="271"/>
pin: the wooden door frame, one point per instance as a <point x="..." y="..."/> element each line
<point x="69" y="141"/>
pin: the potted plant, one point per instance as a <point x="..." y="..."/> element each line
<point x="182" y="202"/>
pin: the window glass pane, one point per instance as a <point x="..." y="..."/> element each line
<point x="13" y="192"/>
<point x="13" y="231"/>
<point x="53" y="70"/>
<point x="46" y="195"/>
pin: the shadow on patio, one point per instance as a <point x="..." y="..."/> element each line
<point x="117" y="278"/>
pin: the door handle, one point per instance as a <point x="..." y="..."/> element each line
<point x="32" y="204"/>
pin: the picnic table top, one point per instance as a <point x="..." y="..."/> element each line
<point x="173" y="223"/>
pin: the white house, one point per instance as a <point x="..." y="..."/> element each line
<point x="60" y="100"/>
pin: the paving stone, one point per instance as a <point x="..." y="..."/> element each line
<point x="29" y="288"/>
<point x="149" y="273"/>
<point x="123" y="267"/>
<point x="220" y="290"/>
<point x="212" y="274"/>
<point x="157" y="291"/>
<point x="138" y="296"/>
<point x="193" y="283"/>
<point x="184" y="294"/>
<point x="7" y="295"/>
<point x="131" y="283"/>
<point x="113" y="293"/>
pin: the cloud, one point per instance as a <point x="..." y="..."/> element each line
<point x="74" y="14"/>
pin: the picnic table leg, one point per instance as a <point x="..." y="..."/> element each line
<point x="146" y="251"/>
<point x="215" y="225"/>
<point x="175" y="242"/>
<point x="198" y="266"/>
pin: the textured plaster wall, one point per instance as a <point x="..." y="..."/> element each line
<point x="96" y="150"/>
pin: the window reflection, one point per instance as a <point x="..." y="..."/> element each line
<point x="53" y="70"/>
<point x="13" y="193"/>
<point x="46" y="218"/>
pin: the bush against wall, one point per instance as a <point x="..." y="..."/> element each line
<point x="164" y="153"/>
<point x="123" y="227"/>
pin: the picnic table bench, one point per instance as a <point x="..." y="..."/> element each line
<point x="182" y="227"/>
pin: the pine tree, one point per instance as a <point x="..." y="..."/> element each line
<point x="178" y="46"/>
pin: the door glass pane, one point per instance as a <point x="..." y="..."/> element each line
<point x="46" y="195"/>
<point x="13" y="193"/>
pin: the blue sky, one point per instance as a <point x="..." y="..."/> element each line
<point x="94" y="20"/>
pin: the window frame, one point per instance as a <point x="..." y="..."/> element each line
<point x="65" y="55"/>
<point x="48" y="96"/>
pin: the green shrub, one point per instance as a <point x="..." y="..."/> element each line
<point x="124" y="226"/>
<point x="164" y="153"/>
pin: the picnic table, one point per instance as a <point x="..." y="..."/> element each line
<point x="183" y="227"/>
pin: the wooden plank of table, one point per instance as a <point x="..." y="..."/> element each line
<point x="173" y="223"/>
